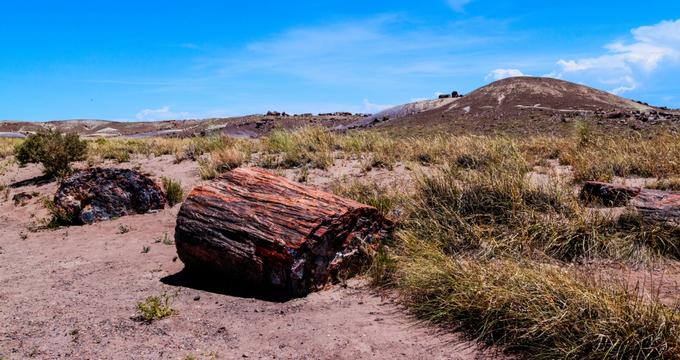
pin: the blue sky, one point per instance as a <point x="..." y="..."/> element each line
<point x="150" y="60"/>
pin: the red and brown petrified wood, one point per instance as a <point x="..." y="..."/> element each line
<point x="261" y="230"/>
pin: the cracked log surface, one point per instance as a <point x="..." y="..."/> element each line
<point x="264" y="231"/>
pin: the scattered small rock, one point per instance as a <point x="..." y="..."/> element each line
<point x="21" y="198"/>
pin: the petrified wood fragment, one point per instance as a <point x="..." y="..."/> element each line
<point x="263" y="231"/>
<point x="101" y="194"/>
<point x="608" y="194"/>
<point x="654" y="205"/>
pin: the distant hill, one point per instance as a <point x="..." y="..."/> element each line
<point x="519" y="105"/>
<point x="526" y="105"/>
<point x="244" y="126"/>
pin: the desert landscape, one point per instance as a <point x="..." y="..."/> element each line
<point x="444" y="179"/>
<point x="531" y="218"/>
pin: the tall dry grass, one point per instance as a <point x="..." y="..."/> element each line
<point x="537" y="310"/>
<point x="311" y="147"/>
<point x="7" y="147"/>
<point x="481" y="249"/>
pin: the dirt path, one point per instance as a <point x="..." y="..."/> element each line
<point x="71" y="293"/>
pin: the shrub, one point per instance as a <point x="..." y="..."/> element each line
<point x="155" y="308"/>
<point x="583" y="133"/>
<point x="173" y="191"/>
<point x="54" y="150"/>
<point x="58" y="217"/>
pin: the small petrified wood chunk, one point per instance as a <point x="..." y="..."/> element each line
<point x="263" y="231"/>
<point x="98" y="194"/>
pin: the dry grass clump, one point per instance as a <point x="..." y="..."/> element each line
<point x="672" y="184"/>
<point x="221" y="160"/>
<point x="308" y="146"/>
<point x="386" y="200"/>
<point x="173" y="191"/>
<point x="497" y="212"/>
<point x="120" y="149"/>
<point x="603" y="158"/>
<point x="7" y="147"/>
<point x="533" y="309"/>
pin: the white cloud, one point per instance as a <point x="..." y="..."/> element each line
<point x="370" y="107"/>
<point x="163" y="113"/>
<point x="458" y="5"/>
<point x="553" y="74"/>
<point x="499" y="74"/>
<point x="650" y="47"/>
<point x="622" y="89"/>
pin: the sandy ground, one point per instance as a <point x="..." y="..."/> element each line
<point x="71" y="293"/>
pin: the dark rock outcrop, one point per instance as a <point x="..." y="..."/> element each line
<point x="101" y="194"/>
<point x="262" y="231"/>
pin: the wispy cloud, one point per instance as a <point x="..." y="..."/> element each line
<point x="368" y="51"/>
<point x="458" y="5"/>
<point x="163" y="113"/>
<point x="499" y="74"/>
<point x="370" y="107"/>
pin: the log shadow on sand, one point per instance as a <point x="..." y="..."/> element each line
<point x="203" y="281"/>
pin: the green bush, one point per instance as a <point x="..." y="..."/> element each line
<point x="54" y="150"/>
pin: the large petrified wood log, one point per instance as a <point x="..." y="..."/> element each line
<point x="100" y="194"/>
<point x="264" y="231"/>
<point x="654" y="205"/>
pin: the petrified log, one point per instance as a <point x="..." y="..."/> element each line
<point x="658" y="206"/>
<point x="101" y="194"/>
<point x="654" y="205"/>
<point x="608" y="194"/>
<point x="263" y="231"/>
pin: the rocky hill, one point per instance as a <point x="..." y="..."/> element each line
<point x="525" y="104"/>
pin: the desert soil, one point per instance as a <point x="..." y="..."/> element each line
<point x="71" y="293"/>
